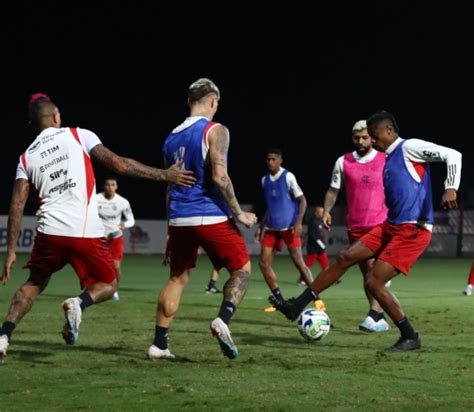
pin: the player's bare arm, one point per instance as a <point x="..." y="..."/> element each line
<point x="218" y="147"/>
<point x="329" y="202"/>
<point x="261" y="229"/>
<point x="21" y="189"/>
<point x="130" y="167"/>
<point x="301" y="211"/>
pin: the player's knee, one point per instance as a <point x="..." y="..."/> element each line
<point x="39" y="282"/>
<point x="264" y="264"/>
<point x="371" y="283"/>
<point x="345" y="257"/>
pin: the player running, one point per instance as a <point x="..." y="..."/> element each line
<point x="203" y="215"/>
<point x="58" y="167"/>
<point x="397" y="243"/>
<point x="116" y="215"/>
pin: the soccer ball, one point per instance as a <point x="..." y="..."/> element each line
<point x="313" y="324"/>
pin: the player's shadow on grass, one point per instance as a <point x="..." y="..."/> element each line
<point x="61" y="347"/>
<point x="271" y="340"/>
<point x="283" y="324"/>
<point x="30" y="356"/>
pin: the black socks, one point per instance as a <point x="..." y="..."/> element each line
<point x="7" y="329"/>
<point x="161" y="337"/>
<point x="226" y="311"/>
<point x="406" y="329"/>
<point x="86" y="300"/>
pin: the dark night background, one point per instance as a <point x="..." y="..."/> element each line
<point x="291" y="76"/>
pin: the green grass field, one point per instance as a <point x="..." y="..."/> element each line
<point x="276" y="370"/>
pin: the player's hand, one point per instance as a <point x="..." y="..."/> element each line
<point x="179" y="176"/>
<point x="258" y="235"/>
<point x="298" y="229"/>
<point x="122" y="226"/>
<point x="449" y="199"/>
<point x="7" y="267"/>
<point x="327" y="220"/>
<point x="246" y="218"/>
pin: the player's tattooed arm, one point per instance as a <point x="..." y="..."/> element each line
<point x="130" y="167"/>
<point x="236" y="286"/>
<point x="218" y="147"/>
<point x="21" y="189"/>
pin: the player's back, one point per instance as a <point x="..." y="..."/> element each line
<point x="60" y="170"/>
<point x="189" y="143"/>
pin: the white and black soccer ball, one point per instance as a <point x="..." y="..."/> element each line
<point x="313" y="324"/>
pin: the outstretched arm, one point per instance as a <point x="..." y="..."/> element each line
<point x="21" y="189"/>
<point x="218" y="147"/>
<point x="132" y="168"/>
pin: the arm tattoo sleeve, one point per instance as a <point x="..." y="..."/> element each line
<point x="21" y="190"/>
<point x="218" y="155"/>
<point x="125" y="166"/>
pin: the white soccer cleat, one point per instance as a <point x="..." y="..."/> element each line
<point x="72" y="319"/>
<point x="115" y="296"/>
<point x="222" y="333"/>
<point x="155" y="352"/>
<point x="3" y="347"/>
<point x="381" y="326"/>
<point x="387" y="284"/>
<point x="467" y="290"/>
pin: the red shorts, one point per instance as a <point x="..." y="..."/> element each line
<point x="355" y="234"/>
<point x="399" y="245"/>
<point x="90" y="258"/>
<point x="116" y="248"/>
<point x="274" y="239"/>
<point x="223" y="243"/>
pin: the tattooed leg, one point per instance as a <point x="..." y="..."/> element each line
<point x="234" y="292"/>
<point x="23" y="301"/>
<point x="236" y="286"/>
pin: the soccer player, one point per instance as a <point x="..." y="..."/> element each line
<point x="361" y="171"/>
<point x="470" y="282"/>
<point x="203" y="215"/>
<point x="58" y="166"/>
<point x="283" y="223"/>
<point x="404" y="236"/>
<point x="116" y="215"/>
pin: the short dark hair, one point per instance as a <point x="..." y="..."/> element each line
<point x="39" y="106"/>
<point x="274" y="150"/>
<point x="110" y="177"/>
<point x="380" y="116"/>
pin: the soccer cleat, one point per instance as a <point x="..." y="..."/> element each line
<point x="467" y="290"/>
<point x="320" y="305"/>
<point x="222" y="333"/>
<point x="404" y="344"/>
<point x="388" y="283"/>
<point x="212" y="290"/>
<point x="382" y="326"/>
<point x="368" y="325"/>
<point x="155" y="352"/>
<point x="3" y="347"/>
<point x="115" y="296"/>
<point x="270" y="309"/>
<point x="72" y="319"/>
<point x="287" y="307"/>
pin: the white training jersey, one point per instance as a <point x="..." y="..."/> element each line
<point x="58" y="165"/>
<point x="291" y="182"/>
<point x="337" y="176"/>
<point x="114" y="211"/>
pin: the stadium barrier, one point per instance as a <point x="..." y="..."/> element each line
<point x="453" y="235"/>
